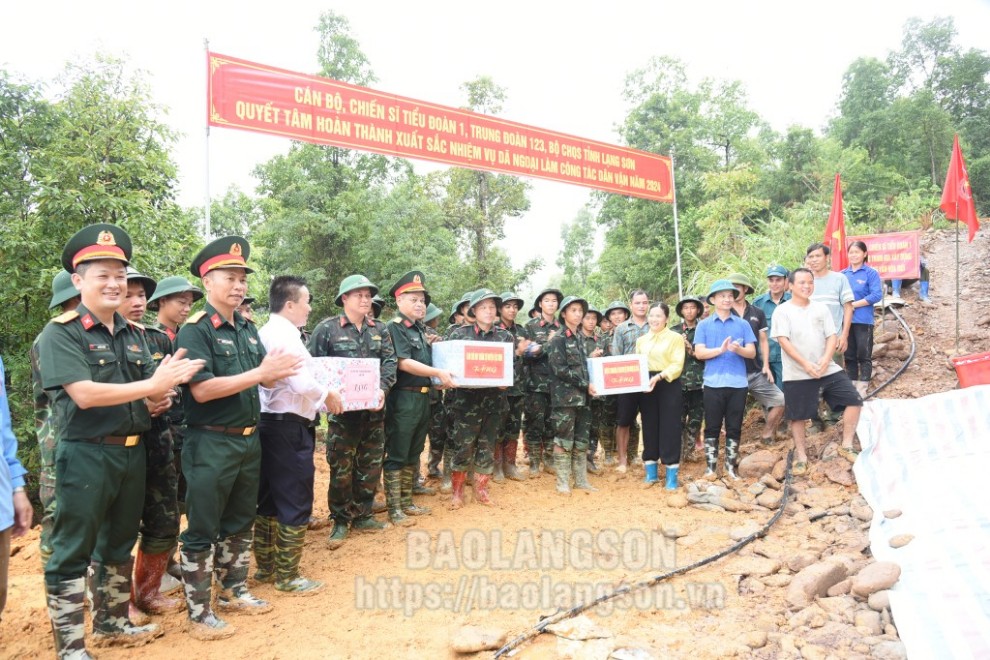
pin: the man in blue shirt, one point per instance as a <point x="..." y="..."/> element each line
<point x="724" y="342"/>
<point x="776" y="295"/>
<point x="15" y="509"/>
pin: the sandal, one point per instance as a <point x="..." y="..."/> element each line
<point x="849" y="454"/>
<point x="800" y="468"/>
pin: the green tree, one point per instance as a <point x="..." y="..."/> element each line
<point x="576" y="258"/>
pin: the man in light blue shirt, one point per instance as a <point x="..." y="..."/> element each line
<point x="15" y="509"/>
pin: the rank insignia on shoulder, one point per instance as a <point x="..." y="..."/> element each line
<point x="87" y="322"/>
<point x="65" y="318"/>
<point x="195" y="318"/>
<point x="216" y="320"/>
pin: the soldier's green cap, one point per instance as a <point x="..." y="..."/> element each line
<point x="352" y="282"/>
<point x="377" y="303"/>
<point x="432" y="311"/>
<point x="63" y="289"/>
<point x="739" y="278"/>
<point x="618" y="304"/>
<point x="96" y="242"/>
<point x="776" y="271"/>
<point x="133" y="275"/>
<point x="570" y="300"/>
<point x="539" y="296"/>
<point x="456" y="307"/>
<point x="594" y="310"/>
<point x="484" y="294"/>
<point x="689" y="299"/>
<point x="171" y="286"/>
<point x="412" y="282"/>
<point x="721" y="285"/>
<point x="508" y="296"/>
<point x="226" y="252"/>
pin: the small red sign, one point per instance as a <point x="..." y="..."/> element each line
<point x="621" y="374"/>
<point x="895" y="256"/>
<point x="484" y="362"/>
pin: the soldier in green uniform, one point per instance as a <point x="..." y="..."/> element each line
<point x="538" y="426"/>
<point x="477" y="412"/>
<point x="690" y="309"/>
<point x="615" y="314"/>
<point x="594" y="348"/>
<point x="440" y="419"/>
<point x="355" y="439"/>
<point x="437" y="432"/>
<point x="570" y="388"/>
<point x="221" y="455"/>
<point x="103" y="384"/>
<point x="377" y="305"/>
<point x="511" y="425"/>
<point x="407" y="408"/>
<point x="65" y="296"/>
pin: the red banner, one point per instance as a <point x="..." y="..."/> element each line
<point x="260" y="98"/>
<point x="484" y="362"/>
<point x="622" y="374"/>
<point x="895" y="256"/>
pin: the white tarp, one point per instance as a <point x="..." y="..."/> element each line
<point x="930" y="458"/>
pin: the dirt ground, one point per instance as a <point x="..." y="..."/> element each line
<point x="405" y="592"/>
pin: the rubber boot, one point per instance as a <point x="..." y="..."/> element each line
<point x="592" y="466"/>
<point x="509" y="461"/>
<point x="672" y="471"/>
<point x="895" y="286"/>
<point x="924" y="292"/>
<point x="338" y="535"/>
<point x="433" y="466"/>
<point x="633" y="452"/>
<point x="731" y="458"/>
<point x="498" y="474"/>
<point x="711" y="458"/>
<point x="232" y="562"/>
<point x="448" y="459"/>
<point x="264" y="548"/>
<point x="393" y="499"/>
<point x="481" y="494"/>
<point x="549" y="460"/>
<point x="418" y="485"/>
<point x="651" y="472"/>
<point x="579" y="466"/>
<point x="535" y="453"/>
<point x="197" y="578"/>
<point x="562" y="465"/>
<point x="145" y="589"/>
<point x="288" y="553"/>
<point x="457" y="487"/>
<point x="66" y="610"/>
<point x="111" y="625"/>
<point x="408" y="506"/>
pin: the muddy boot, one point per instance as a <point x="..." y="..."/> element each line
<point x="66" y="610"/>
<point x="481" y="494"/>
<point x="433" y="465"/>
<point x="264" y="548"/>
<point x="367" y="525"/>
<point x="562" y="467"/>
<point x="509" y="461"/>
<point x="633" y="452"/>
<point x="408" y="506"/>
<point x="145" y="590"/>
<point x="233" y="559"/>
<point x="579" y="465"/>
<point x="448" y="458"/>
<point x="457" y="483"/>
<point x="549" y="462"/>
<point x="338" y="535"/>
<point x="419" y="486"/>
<point x="687" y="446"/>
<point x="592" y="466"/>
<point x="534" y="460"/>
<point x="111" y="625"/>
<point x="731" y="458"/>
<point x="197" y="577"/>
<point x="288" y="553"/>
<point x="498" y="474"/>
<point x="711" y="458"/>
<point x="393" y="497"/>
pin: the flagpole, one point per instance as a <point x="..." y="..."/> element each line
<point x="957" y="276"/>
<point x="677" y="235"/>
<point x="207" y="229"/>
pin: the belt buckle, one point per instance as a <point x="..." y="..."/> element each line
<point x="131" y="440"/>
<point x="248" y="430"/>
<point x="424" y="390"/>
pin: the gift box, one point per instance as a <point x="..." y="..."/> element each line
<point x="475" y="363"/>
<point x="619" y="374"/>
<point x="357" y="379"/>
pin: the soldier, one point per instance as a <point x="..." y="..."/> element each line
<point x="776" y="295"/>
<point x="377" y="305"/>
<point x="407" y="412"/>
<point x="569" y="391"/>
<point x="476" y="412"/>
<point x="221" y="456"/>
<point x="65" y="296"/>
<point x="457" y="318"/>
<point x="355" y="439"/>
<point x="245" y="309"/>
<point x="437" y="432"/>
<point x="689" y="309"/>
<point x="457" y="313"/>
<point x="614" y="315"/>
<point x="538" y="425"/>
<point x="594" y="348"/>
<point x="511" y="424"/>
<point x="624" y="343"/>
<point x="104" y="387"/>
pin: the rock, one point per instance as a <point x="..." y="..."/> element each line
<point x="870" y="621"/>
<point x="890" y="629"/>
<point x="876" y="577"/>
<point x="800" y="560"/>
<point x="579" y="628"/>
<point x="840" y="473"/>
<point x="757" y="464"/>
<point x="688" y="541"/>
<point x="794" y="508"/>
<point x="820" y="497"/>
<point x="717" y="491"/>
<point x="890" y="514"/>
<point x="811" y="616"/>
<point x="472" y="639"/>
<point x="779" y="469"/>
<point x="752" y="566"/>
<point x="861" y="510"/>
<point x="677" y="500"/>
<point x="813" y="581"/>
<point x="901" y="540"/>
<point x="756" y="489"/>
<point x="840" y="588"/>
<point x="879" y="600"/>
<point x="732" y="504"/>
<point x="631" y="653"/>
<point x="750" y="585"/>
<point x="770" y="499"/>
<point x="815" y="652"/>
<point x="768" y="481"/>
<point x="742" y="531"/>
<point x="889" y="650"/>
<point x="709" y="507"/>
<point x="778" y="580"/>
<point x="756" y="639"/>
<point x="594" y="649"/>
<point x="844" y="607"/>
<point x="672" y="531"/>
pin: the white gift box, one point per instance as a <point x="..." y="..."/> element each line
<point x="619" y="374"/>
<point x="357" y="379"/>
<point x="475" y="363"/>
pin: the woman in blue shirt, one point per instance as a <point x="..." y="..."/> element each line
<point x="867" y="291"/>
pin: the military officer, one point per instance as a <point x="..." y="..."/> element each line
<point x="511" y="425"/>
<point x="245" y="309"/>
<point x="103" y="384"/>
<point x="538" y="426"/>
<point x="690" y="309"/>
<point x="221" y="455"/>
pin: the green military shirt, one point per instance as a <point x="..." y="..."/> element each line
<point x="516" y="331"/>
<point x="693" y="374"/>
<point x="568" y="364"/>
<point x="539" y="330"/>
<point x="410" y="343"/>
<point x="338" y="337"/>
<point x="605" y="343"/>
<point x="76" y="347"/>
<point x="228" y="349"/>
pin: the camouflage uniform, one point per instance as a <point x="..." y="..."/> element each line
<point x="512" y="412"/>
<point x="592" y="342"/>
<point x="44" y="424"/>
<point x="537" y="424"/>
<point x="355" y="439"/>
<point x="570" y="413"/>
<point x="176" y="417"/>
<point x="603" y="410"/>
<point x="438" y="429"/>
<point x="692" y="378"/>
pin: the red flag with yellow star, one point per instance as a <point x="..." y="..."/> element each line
<point x="835" y="230"/>
<point x="957" y="198"/>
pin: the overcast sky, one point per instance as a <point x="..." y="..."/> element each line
<point x="563" y="63"/>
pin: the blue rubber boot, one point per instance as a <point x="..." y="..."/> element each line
<point x="924" y="292"/>
<point x="895" y="286"/>
<point x="672" y="477"/>
<point x="651" y="472"/>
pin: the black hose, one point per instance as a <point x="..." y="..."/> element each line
<point x="910" y="357"/>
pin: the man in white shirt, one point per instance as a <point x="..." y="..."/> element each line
<point x="288" y="439"/>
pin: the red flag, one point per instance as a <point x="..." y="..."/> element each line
<point x="957" y="198"/>
<point x="835" y="230"/>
